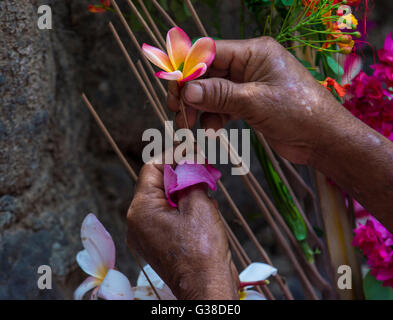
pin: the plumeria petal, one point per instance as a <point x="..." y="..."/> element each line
<point x="157" y="57"/>
<point x="143" y="290"/>
<point x="144" y="293"/>
<point x="216" y="174"/>
<point x="153" y="276"/>
<point x="94" y="294"/>
<point x="175" y="75"/>
<point x="85" y="286"/>
<point x="87" y="264"/>
<point x="203" y="51"/>
<point x="186" y="175"/>
<point x="198" y="71"/>
<point x="98" y="244"/>
<point x="178" y="45"/>
<point x="115" y="287"/>
<point x="253" y="295"/>
<point x="147" y="293"/>
<point x="257" y="271"/>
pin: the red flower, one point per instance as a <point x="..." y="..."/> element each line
<point x="340" y="90"/>
<point x="100" y="8"/>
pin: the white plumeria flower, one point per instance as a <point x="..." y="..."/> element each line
<point x="98" y="260"/>
<point x="143" y="290"/>
<point x="253" y="275"/>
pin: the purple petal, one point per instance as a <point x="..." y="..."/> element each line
<point x="186" y="175"/>
<point x="389" y="42"/>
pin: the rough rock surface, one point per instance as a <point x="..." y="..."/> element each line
<point x="54" y="165"/>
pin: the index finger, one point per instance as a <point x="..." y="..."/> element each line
<point x="151" y="176"/>
<point x="231" y="59"/>
<point x="151" y="179"/>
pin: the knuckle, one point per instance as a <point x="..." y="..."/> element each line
<point x="223" y="94"/>
<point x="266" y="40"/>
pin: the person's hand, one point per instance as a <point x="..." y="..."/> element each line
<point x="187" y="246"/>
<point x="259" y="81"/>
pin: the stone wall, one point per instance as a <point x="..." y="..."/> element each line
<point x="54" y="165"/>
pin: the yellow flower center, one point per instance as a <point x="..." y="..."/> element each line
<point x="101" y="272"/>
<point x="242" y="294"/>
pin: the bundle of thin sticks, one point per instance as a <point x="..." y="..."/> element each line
<point x="314" y="285"/>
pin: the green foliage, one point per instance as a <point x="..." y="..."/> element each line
<point x="373" y="289"/>
<point x="211" y="3"/>
<point x="255" y="5"/>
<point x="283" y="200"/>
<point x="334" y="66"/>
<point x="179" y="10"/>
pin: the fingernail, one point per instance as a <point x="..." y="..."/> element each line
<point x="194" y="93"/>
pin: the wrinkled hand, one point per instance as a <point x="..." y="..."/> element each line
<point x="187" y="246"/>
<point x="259" y="81"/>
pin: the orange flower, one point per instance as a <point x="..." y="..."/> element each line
<point x="343" y="41"/>
<point x="100" y="8"/>
<point x="340" y="90"/>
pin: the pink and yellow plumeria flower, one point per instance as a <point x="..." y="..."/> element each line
<point x="255" y="274"/>
<point x="185" y="61"/>
<point x="98" y="260"/>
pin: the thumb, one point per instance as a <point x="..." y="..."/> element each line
<point x="218" y="95"/>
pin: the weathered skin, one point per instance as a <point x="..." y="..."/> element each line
<point x="187" y="245"/>
<point x="259" y="81"/>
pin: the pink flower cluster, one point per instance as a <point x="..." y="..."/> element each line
<point x="376" y="243"/>
<point x="370" y="97"/>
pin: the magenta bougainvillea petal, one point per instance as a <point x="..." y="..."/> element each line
<point x="389" y="42"/>
<point x="186" y="175"/>
<point x="376" y="243"/>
